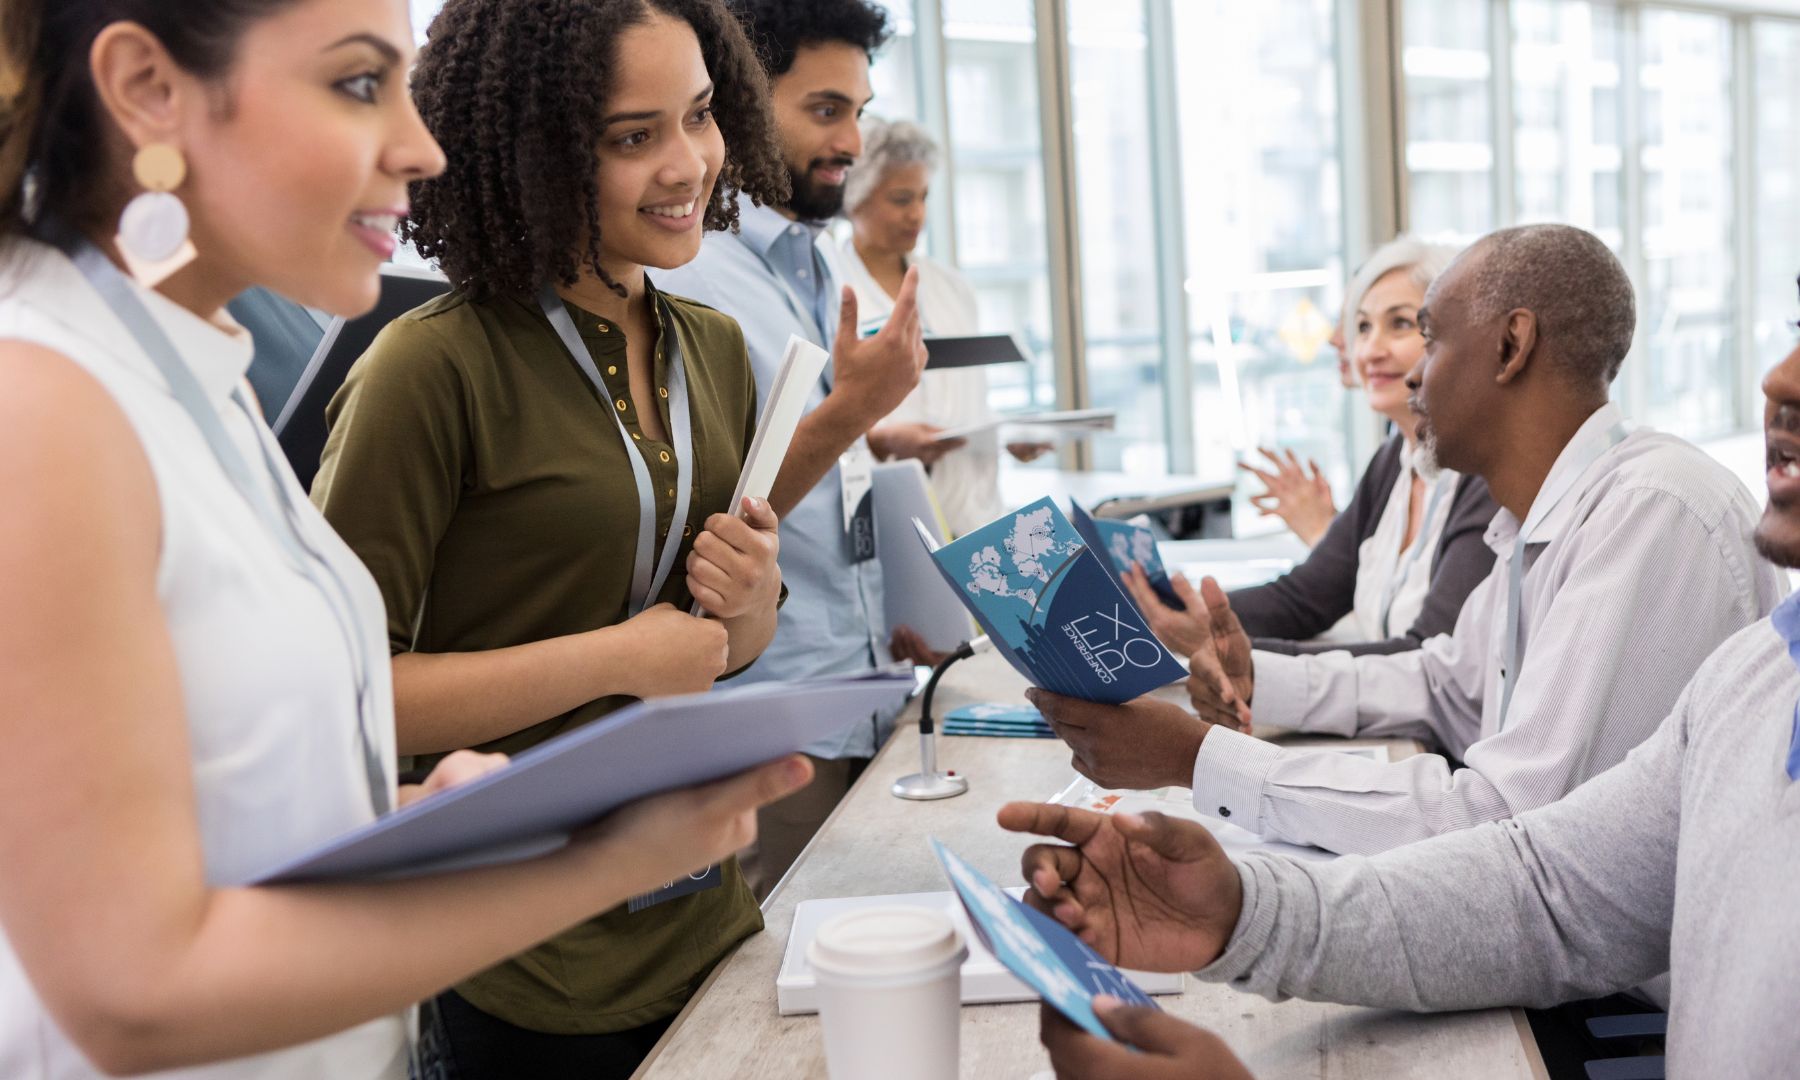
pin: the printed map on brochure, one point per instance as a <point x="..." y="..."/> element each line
<point x="1054" y="608"/>
<point x="1127" y="542"/>
<point x="1038" y="949"/>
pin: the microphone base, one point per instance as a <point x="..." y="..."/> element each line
<point x="926" y="786"/>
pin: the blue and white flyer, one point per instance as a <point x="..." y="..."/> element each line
<point x="1127" y="542"/>
<point x="1054" y="608"/>
<point x="1038" y="949"/>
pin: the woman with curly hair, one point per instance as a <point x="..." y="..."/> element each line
<point x="537" y="466"/>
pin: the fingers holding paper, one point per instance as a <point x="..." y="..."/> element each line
<point x="1145" y="891"/>
<point x="1182" y="632"/>
<point x="732" y="568"/>
<point x="1146" y="743"/>
<point x="1167" y="1048"/>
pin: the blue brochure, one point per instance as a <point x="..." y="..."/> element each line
<point x="1126" y="542"/>
<point x="1054" y="607"/>
<point x="533" y="804"/>
<point x="1038" y="949"/>
<point x="996" y="720"/>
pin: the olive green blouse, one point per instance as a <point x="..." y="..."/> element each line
<point x="474" y="469"/>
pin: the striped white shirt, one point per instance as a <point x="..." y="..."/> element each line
<point x="1639" y="573"/>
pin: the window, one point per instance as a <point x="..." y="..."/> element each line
<point x="1569" y="124"/>
<point x="1262" y="185"/>
<point x="996" y="155"/>
<point x="1777" y="212"/>
<point x="1447" y="57"/>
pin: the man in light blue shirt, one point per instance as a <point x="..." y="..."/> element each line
<point x="775" y="276"/>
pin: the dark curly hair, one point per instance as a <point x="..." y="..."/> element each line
<point x="514" y="91"/>
<point x="780" y="27"/>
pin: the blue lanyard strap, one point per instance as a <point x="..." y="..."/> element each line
<point x="1541" y="508"/>
<point x="280" y="521"/>
<point x="648" y="573"/>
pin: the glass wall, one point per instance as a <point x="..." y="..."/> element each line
<point x="1447" y="56"/>
<point x="1263" y="202"/>
<point x="1777" y="191"/>
<point x="1623" y="117"/>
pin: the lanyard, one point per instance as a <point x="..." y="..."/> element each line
<point x="1392" y="590"/>
<point x="281" y="522"/>
<point x="1541" y="508"/>
<point x="646" y="585"/>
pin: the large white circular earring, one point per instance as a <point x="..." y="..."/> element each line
<point x="153" y="230"/>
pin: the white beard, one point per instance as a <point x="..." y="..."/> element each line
<point x="1425" y="460"/>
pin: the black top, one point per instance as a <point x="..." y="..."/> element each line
<point x="1309" y="599"/>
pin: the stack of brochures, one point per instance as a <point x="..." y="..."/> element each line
<point x="997" y="721"/>
<point x="1054" y="606"/>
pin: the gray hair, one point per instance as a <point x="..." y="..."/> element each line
<point x="887" y="144"/>
<point x="1423" y="261"/>
<point x="1585" y="306"/>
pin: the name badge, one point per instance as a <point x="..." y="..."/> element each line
<point x="709" y="878"/>
<point x="856" y="470"/>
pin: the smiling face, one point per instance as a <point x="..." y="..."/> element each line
<point x="660" y="150"/>
<point x="1388" y="343"/>
<point x="817" y="103"/>
<point x="892" y="218"/>
<point x="1778" y="534"/>
<point x="298" y="163"/>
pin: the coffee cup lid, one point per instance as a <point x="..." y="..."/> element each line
<point x="884" y="941"/>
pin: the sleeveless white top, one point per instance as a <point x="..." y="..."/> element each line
<point x="269" y="685"/>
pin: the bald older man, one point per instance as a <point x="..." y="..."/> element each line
<point x="1623" y="559"/>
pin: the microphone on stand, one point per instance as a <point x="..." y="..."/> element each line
<point x="928" y="783"/>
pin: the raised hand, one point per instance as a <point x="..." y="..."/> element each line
<point x="1142" y="744"/>
<point x="1222" y="679"/>
<point x="874" y="374"/>
<point x="731" y="568"/>
<point x="1182" y="631"/>
<point x="1167" y="1048"/>
<point x="1297" y="494"/>
<point x="1144" y="891"/>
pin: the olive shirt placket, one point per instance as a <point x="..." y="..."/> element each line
<point x="470" y="467"/>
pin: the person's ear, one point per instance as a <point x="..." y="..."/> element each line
<point x="1518" y="345"/>
<point x="139" y="84"/>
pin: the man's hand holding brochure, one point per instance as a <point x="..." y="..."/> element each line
<point x="1055" y="608"/>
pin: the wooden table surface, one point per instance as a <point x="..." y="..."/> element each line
<point x="876" y="844"/>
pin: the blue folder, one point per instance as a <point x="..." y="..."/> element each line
<point x="531" y="806"/>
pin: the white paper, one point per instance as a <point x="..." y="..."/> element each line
<point x="1068" y="423"/>
<point x="801" y="365"/>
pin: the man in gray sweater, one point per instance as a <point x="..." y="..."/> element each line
<point x="1684" y="858"/>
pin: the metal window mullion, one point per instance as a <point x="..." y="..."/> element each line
<point x="1372" y="148"/>
<point x="1743" y="165"/>
<point x="1057" y="125"/>
<point x="1500" y="85"/>
<point x="1637" y="381"/>
<point x="1171" y="234"/>
<point x="931" y="76"/>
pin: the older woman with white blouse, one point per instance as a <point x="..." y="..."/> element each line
<point x="884" y="200"/>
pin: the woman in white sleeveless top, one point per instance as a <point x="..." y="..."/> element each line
<point x="194" y="691"/>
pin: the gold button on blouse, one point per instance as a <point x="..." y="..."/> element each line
<point x="635" y="435"/>
<point x="605" y="329"/>
<point x="621" y="404"/>
<point x="663" y="391"/>
<point x="613" y="369"/>
<point x="665" y="456"/>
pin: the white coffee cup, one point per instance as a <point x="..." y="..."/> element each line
<point x="890" y="993"/>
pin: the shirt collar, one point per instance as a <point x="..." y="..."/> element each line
<point x="218" y="352"/>
<point x="761" y="226"/>
<point x="1577" y="453"/>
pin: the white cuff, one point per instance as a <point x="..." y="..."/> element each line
<point x="1229" y="774"/>
<point x="1279" y="697"/>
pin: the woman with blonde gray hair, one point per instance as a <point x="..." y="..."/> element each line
<point x="884" y="199"/>
<point x="1396" y="565"/>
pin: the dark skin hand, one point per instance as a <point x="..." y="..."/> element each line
<point x="1145" y="891"/>
<point x="1222" y="679"/>
<point x="1167" y="1048"/>
<point x="1141" y="744"/>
